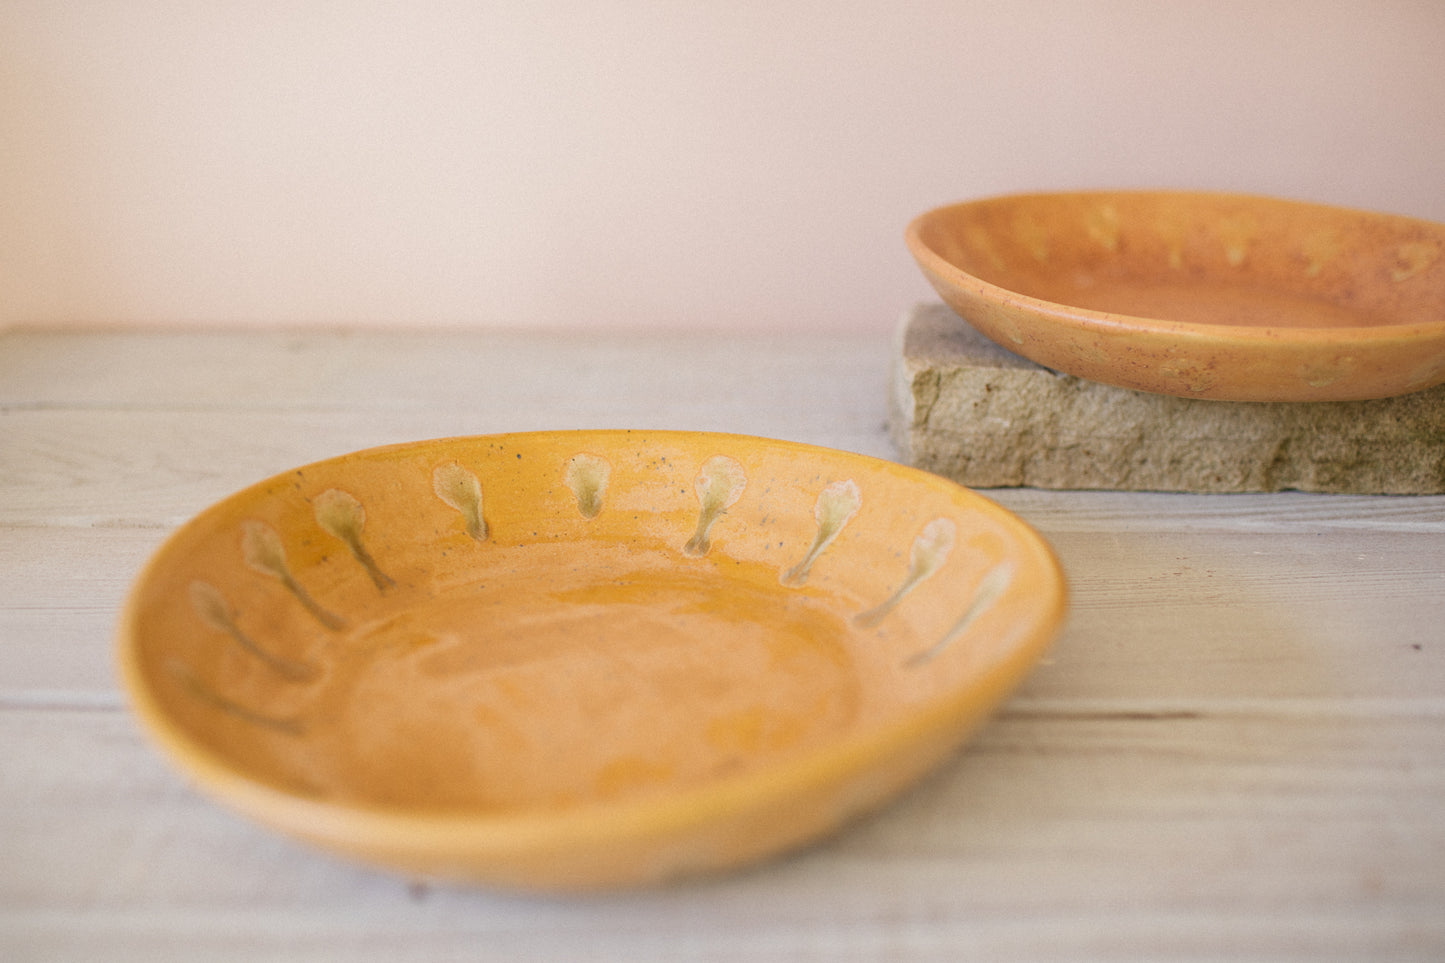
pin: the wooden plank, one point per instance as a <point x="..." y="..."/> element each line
<point x="527" y="375"/>
<point x="146" y="428"/>
<point x="138" y="411"/>
<point x="1236" y="749"/>
<point x="143" y="467"/>
<point x="59" y="600"/>
<point x="158" y="467"/>
<point x="1249" y="513"/>
<point x="1160" y="619"/>
<point x="1233" y="833"/>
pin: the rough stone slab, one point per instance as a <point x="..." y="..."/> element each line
<point x="966" y="408"/>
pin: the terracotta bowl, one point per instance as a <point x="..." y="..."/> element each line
<point x="581" y="659"/>
<point x="1198" y="295"/>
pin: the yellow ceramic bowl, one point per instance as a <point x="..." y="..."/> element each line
<point x="1198" y="295"/>
<point x="581" y="659"/>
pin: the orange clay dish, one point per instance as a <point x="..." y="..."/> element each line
<point x="574" y="660"/>
<point x="1198" y="295"/>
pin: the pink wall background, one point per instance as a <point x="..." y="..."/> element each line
<point x="645" y="164"/>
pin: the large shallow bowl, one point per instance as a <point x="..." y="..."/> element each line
<point x="1198" y="295"/>
<point x="581" y="659"/>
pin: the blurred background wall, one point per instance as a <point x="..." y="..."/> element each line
<point x="634" y="164"/>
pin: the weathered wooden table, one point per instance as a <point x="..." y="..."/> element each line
<point x="1236" y="750"/>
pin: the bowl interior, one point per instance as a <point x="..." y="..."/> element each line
<point x="544" y="621"/>
<point x="1198" y="258"/>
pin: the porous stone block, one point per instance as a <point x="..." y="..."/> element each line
<point x="966" y="408"/>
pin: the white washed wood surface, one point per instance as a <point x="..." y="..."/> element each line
<point x="1236" y="750"/>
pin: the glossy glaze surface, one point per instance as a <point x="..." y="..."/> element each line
<point x="579" y="659"/>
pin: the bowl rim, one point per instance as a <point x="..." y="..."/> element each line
<point x="499" y="833"/>
<point x="1113" y="323"/>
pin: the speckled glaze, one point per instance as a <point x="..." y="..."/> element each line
<point x="573" y="660"/>
<point x="1198" y="295"/>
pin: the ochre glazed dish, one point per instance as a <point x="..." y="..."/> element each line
<point x="1198" y="295"/>
<point x="573" y="660"/>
